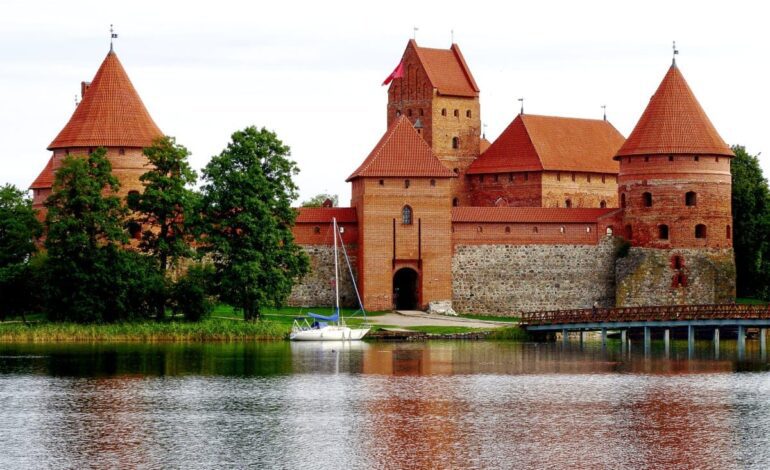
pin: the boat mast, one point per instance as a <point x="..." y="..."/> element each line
<point x="336" y="268"/>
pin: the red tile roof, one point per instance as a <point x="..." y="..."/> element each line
<point x="401" y="152"/>
<point x="526" y="214"/>
<point x="447" y="70"/>
<point x="45" y="179"/>
<point x="484" y="145"/>
<point x="309" y="215"/>
<point x="534" y="143"/>
<point x="674" y="122"/>
<point x="110" y="115"/>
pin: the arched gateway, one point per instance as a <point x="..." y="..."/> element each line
<point x="405" y="289"/>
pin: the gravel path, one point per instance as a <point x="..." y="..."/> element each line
<point x="403" y="318"/>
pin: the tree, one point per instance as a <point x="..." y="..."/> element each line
<point x="166" y="207"/>
<point x="19" y="230"/>
<point x="90" y="278"/>
<point x="247" y="207"/>
<point x="751" y="225"/>
<point x="319" y="199"/>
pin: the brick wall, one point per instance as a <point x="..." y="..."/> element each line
<point x="503" y="279"/>
<point x="581" y="189"/>
<point x="127" y="167"/>
<point x="654" y="277"/>
<point x="524" y="234"/>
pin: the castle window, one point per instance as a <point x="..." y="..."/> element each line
<point x="558" y="176"/>
<point x="134" y="230"/>
<point x="316" y="229"/>
<point x="588" y="177"/>
<point x="468" y="113"/>
<point x="696" y="158"/>
<point x="700" y="231"/>
<point x="443" y="112"/>
<point x="133" y="197"/>
<point x="561" y="229"/>
<point x="526" y="176"/>
<point x="510" y="177"/>
<point x="629" y="232"/>
<point x="623" y="200"/>
<point x="646" y="159"/>
<point x="455" y="202"/>
<point x="406" y="215"/>
<point x="603" y="204"/>
<point x="481" y="178"/>
<point x="588" y="229"/>
<point x="433" y="182"/>
<point x="663" y="232"/>
<point x="382" y="182"/>
<point x="457" y="113"/>
<point x="421" y="112"/>
<point x="496" y="177"/>
<point x="680" y="280"/>
<point x="671" y="158"/>
<point x="66" y="151"/>
<point x="456" y="170"/>
<point x="479" y="229"/>
<point x="121" y="151"/>
<point x="677" y="262"/>
<point x="568" y="203"/>
<point x="728" y="233"/>
<point x="602" y="178"/>
<point x="507" y="229"/>
<point x="691" y="198"/>
<point x="647" y="198"/>
<point x="409" y="112"/>
<point x="534" y="230"/>
<point x="455" y="142"/>
<point x="573" y="176"/>
<point x="609" y="231"/>
<point x="398" y="112"/>
<point x="716" y="159"/>
<point x="406" y="183"/>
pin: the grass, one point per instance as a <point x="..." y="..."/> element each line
<point x="750" y="301"/>
<point x="491" y="318"/>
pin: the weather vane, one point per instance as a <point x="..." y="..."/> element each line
<point x="414" y="32"/>
<point x="113" y="35"/>
<point x="521" y="100"/>
<point x="604" y="108"/>
<point x="484" y="132"/>
<point x="676" y="52"/>
<point x="452" y="32"/>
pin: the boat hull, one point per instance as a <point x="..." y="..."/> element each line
<point x="329" y="333"/>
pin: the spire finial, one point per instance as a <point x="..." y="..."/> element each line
<point x="113" y="35"/>
<point x="414" y="32"/>
<point x="521" y="100"/>
<point x="676" y="52"/>
<point x="452" y="33"/>
<point x="484" y="131"/>
<point x="604" y="109"/>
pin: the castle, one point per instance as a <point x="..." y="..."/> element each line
<point x="555" y="213"/>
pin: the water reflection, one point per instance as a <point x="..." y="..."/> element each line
<point x="382" y="405"/>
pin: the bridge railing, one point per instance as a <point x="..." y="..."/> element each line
<point x="653" y="313"/>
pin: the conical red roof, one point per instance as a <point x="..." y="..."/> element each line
<point x="674" y="122"/>
<point x="110" y="115"/>
<point x="45" y="179"/>
<point x="401" y="152"/>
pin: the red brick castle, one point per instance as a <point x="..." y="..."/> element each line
<point x="555" y="213"/>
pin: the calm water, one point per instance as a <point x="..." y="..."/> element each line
<point x="380" y="406"/>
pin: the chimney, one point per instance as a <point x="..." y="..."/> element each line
<point x="84" y="88"/>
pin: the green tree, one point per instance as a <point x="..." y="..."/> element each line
<point x="89" y="277"/>
<point x="166" y="207"/>
<point x="247" y="207"/>
<point x="751" y="225"/>
<point x="19" y="230"/>
<point x="319" y="199"/>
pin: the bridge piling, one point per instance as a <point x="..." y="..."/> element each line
<point x="716" y="343"/>
<point x="690" y="341"/>
<point x="647" y="340"/>
<point x="564" y="336"/>
<point x="667" y="341"/>
<point x="763" y="343"/>
<point x="741" y="341"/>
<point x="604" y="337"/>
<point x="623" y="341"/>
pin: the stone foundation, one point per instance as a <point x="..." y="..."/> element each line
<point x="316" y="289"/>
<point x="508" y="279"/>
<point x="648" y="276"/>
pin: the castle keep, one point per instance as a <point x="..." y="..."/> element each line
<point x="555" y="213"/>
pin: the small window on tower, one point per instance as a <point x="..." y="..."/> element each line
<point x="455" y="202"/>
<point x="588" y="177"/>
<point x="398" y="113"/>
<point x="700" y="231"/>
<point x="671" y="158"/>
<point x="433" y="182"/>
<point x="696" y="158"/>
<point x="534" y="230"/>
<point x="455" y="142"/>
<point x="561" y="229"/>
<point x="510" y="177"/>
<point x="316" y="229"/>
<point x="526" y="176"/>
<point x="646" y="158"/>
<point x="663" y="232"/>
<point x="558" y="176"/>
<point x="602" y="178"/>
<point x="623" y="200"/>
<point x="406" y="183"/>
<point x="481" y="178"/>
<point x="457" y="113"/>
<point x="507" y="229"/>
<point x="121" y="151"/>
<point x="603" y="204"/>
<point x="573" y="176"/>
<point x="421" y="112"/>
<point x="134" y="230"/>
<point x="409" y="112"/>
<point x="690" y="198"/>
<point x="382" y="182"/>
<point x="443" y="112"/>
<point x="629" y="232"/>
<point x="647" y="199"/>
<point x="133" y="197"/>
<point x="496" y="177"/>
<point x="406" y="215"/>
<point x="729" y="233"/>
<point x="568" y="203"/>
<point x="468" y="113"/>
<point x="90" y="150"/>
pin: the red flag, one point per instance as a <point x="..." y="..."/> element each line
<point x="397" y="73"/>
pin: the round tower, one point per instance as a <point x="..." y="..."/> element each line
<point x="674" y="184"/>
<point x="110" y="115"/>
<point x="674" y="189"/>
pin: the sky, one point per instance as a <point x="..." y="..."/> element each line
<point x="311" y="71"/>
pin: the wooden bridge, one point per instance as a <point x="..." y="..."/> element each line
<point x="646" y="319"/>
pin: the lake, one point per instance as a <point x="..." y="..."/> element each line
<point x="382" y="405"/>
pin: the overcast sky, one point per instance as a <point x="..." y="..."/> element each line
<point x="311" y="71"/>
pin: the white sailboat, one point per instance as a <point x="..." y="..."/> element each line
<point x="331" y="328"/>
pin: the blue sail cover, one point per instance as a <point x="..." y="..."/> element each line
<point x="334" y="317"/>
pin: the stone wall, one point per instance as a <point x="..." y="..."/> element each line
<point x="507" y="279"/>
<point x="655" y="277"/>
<point x="317" y="288"/>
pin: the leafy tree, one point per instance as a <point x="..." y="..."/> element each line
<point x="166" y="207"/>
<point x="247" y="206"/>
<point x="90" y="278"/>
<point x="751" y="225"/>
<point x="319" y="199"/>
<point x="19" y="229"/>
